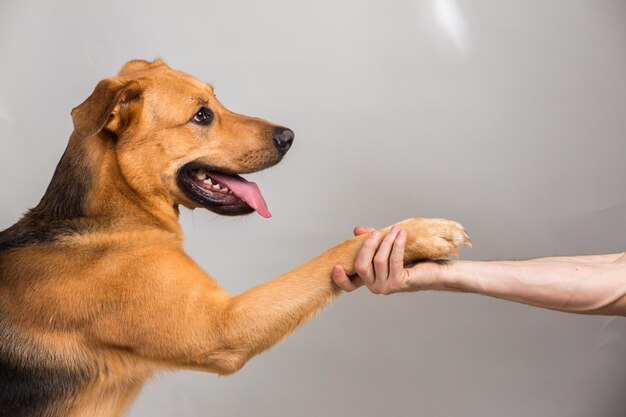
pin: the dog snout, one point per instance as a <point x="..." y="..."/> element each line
<point x="283" y="138"/>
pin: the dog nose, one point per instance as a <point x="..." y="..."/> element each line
<point x="283" y="138"/>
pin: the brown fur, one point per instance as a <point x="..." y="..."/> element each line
<point x="96" y="291"/>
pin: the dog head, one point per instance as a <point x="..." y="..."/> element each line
<point x="172" y="137"/>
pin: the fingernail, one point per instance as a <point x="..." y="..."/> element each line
<point x="375" y="234"/>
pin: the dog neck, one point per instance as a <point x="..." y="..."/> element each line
<point x="88" y="192"/>
<point x="111" y="195"/>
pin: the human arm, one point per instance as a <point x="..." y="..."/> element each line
<point x="593" y="284"/>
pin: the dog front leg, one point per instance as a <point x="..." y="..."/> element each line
<point x="262" y="316"/>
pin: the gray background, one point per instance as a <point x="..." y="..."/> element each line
<point x="508" y="116"/>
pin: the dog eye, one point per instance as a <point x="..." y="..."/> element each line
<point x="203" y="117"/>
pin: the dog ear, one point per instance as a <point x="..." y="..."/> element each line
<point x="105" y="107"/>
<point x="137" y="65"/>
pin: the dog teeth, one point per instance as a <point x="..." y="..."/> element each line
<point x="201" y="175"/>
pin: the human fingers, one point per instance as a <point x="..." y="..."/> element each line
<point x="343" y="281"/>
<point x="398" y="275"/>
<point x="381" y="261"/>
<point x="360" y="230"/>
<point x="363" y="263"/>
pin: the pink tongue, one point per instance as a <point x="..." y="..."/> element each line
<point x="247" y="191"/>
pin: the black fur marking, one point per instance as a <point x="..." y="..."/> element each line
<point x="28" y="389"/>
<point x="31" y="391"/>
<point x="61" y="211"/>
<point x="26" y="233"/>
<point x="65" y="197"/>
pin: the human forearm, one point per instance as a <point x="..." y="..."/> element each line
<point x="606" y="258"/>
<point x="587" y="285"/>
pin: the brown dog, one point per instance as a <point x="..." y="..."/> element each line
<point x="96" y="291"/>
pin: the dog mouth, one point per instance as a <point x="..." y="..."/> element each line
<point x="223" y="193"/>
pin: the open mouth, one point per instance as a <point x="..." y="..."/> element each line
<point x="223" y="193"/>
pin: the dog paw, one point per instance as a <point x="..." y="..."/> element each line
<point x="433" y="238"/>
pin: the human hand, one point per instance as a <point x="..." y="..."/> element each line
<point x="380" y="266"/>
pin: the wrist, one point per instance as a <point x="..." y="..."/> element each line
<point x="432" y="275"/>
<point x="454" y="275"/>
